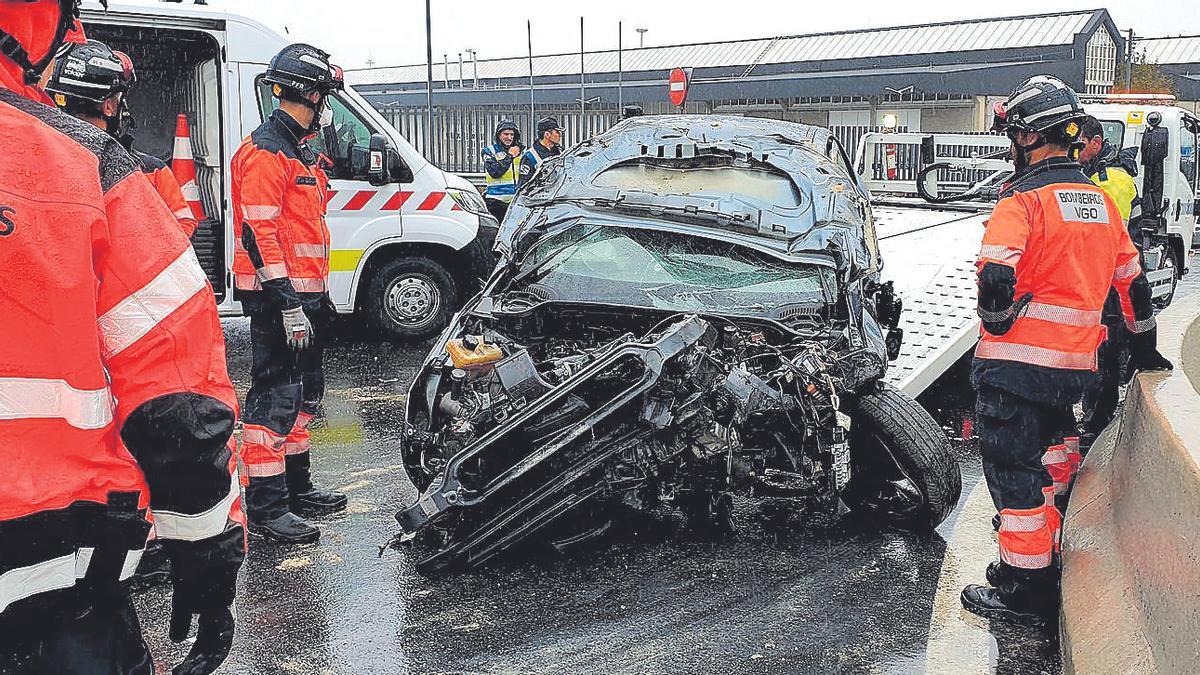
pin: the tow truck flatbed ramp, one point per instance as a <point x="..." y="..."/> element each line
<point x="929" y="254"/>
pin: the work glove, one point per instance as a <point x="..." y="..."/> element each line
<point x="1144" y="354"/>
<point x="204" y="581"/>
<point x="297" y="329"/>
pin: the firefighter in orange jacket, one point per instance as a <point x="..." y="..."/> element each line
<point x="1054" y="245"/>
<point x="281" y="273"/>
<point x="115" y="406"/>
<point x="90" y="82"/>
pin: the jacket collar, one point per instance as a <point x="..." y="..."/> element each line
<point x="293" y="128"/>
<point x="1049" y="171"/>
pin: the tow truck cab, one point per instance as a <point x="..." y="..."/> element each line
<point x="1124" y="125"/>
<point x="404" y="252"/>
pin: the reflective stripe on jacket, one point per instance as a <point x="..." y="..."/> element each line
<point x="1067" y="245"/>
<point x="504" y="186"/>
<point x="115" y="403"/>
<point x="167" y="187"/>
<point x="279" y="196"/>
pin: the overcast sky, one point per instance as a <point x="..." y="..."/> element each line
<point x="392" y="32"/>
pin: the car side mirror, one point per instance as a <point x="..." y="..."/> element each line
<point x="398" y="169"/>
<point x="377" y="166"/>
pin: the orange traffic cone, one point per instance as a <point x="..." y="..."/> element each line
<point x="183" y="165"/>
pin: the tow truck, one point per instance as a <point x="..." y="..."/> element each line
<point x="931" y="195"/>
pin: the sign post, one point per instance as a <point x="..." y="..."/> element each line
<point x="677" y="87"/>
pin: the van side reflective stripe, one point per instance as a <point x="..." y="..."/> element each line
<point x="431" y="202"/>
<point x="37" y="398"/>
<point x="194" y="527"/>
<point x="130" y="319"/>
<point x="359" y="200"/>
<point x="49" y="575"/>
<point x="396" y="201"/>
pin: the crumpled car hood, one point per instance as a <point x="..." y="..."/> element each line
<point x="832" y="221"/>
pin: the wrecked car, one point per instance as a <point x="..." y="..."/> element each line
<point x="687" y="308"/>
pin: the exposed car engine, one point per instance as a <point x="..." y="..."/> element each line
<point x="691" y="413"/>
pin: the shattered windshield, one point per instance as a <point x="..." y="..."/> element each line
<point x="667" y="270"/>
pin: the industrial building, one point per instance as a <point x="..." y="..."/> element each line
<point x="931" y="77"/>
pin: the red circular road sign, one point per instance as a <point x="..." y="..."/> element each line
<point x="678" y="86"/>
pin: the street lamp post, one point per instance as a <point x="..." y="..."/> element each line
<point x="428" y="81"/>
<point x="474" y="68"/>
<point x="641" y="36"/>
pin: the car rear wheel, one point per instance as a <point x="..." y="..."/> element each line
<point x="411" y="298"/>
<point x="903" y="469"/>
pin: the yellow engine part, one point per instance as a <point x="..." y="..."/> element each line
<point x="472" y="353"/>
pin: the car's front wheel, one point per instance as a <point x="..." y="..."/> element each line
<point x="903" y="469"/>
<point x="411" y="298"/>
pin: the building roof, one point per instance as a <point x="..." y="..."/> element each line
<point x="1183" y="49"/>
<point x="981" y="34"/>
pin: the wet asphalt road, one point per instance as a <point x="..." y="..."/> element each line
<point x="656" y="598"/>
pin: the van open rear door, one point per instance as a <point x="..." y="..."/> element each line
<point x="179" y="72"/>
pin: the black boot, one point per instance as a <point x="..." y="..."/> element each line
<point x="286" y="529"/>
<point x="306" y="499"/>
<point x="995" y="573"/>
<point x="268" y="515"/>
<point x="1028" y="597"/>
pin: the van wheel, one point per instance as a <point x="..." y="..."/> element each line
<point x="411" y="298"/>
<point x="903" y="470"/>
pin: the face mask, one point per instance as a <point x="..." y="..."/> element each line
<point x="326" y="118"/>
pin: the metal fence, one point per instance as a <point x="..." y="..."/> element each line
<point x="461" y="132"/>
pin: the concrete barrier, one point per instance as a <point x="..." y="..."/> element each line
<point x="1131" y="540"/>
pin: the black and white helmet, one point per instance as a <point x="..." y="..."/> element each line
<point x="88" y="72"/>
<point x="1040" y="103"/>
<point x="303" y="69"/>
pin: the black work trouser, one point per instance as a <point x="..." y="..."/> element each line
<point x="87" y="633"/>
<point x="1014" y="433"/>
<point x="283" y="384"/>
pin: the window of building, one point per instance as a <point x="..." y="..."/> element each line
<point x="1100" y="62"/>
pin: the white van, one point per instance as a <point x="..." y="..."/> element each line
<point x="410" y="242"/>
